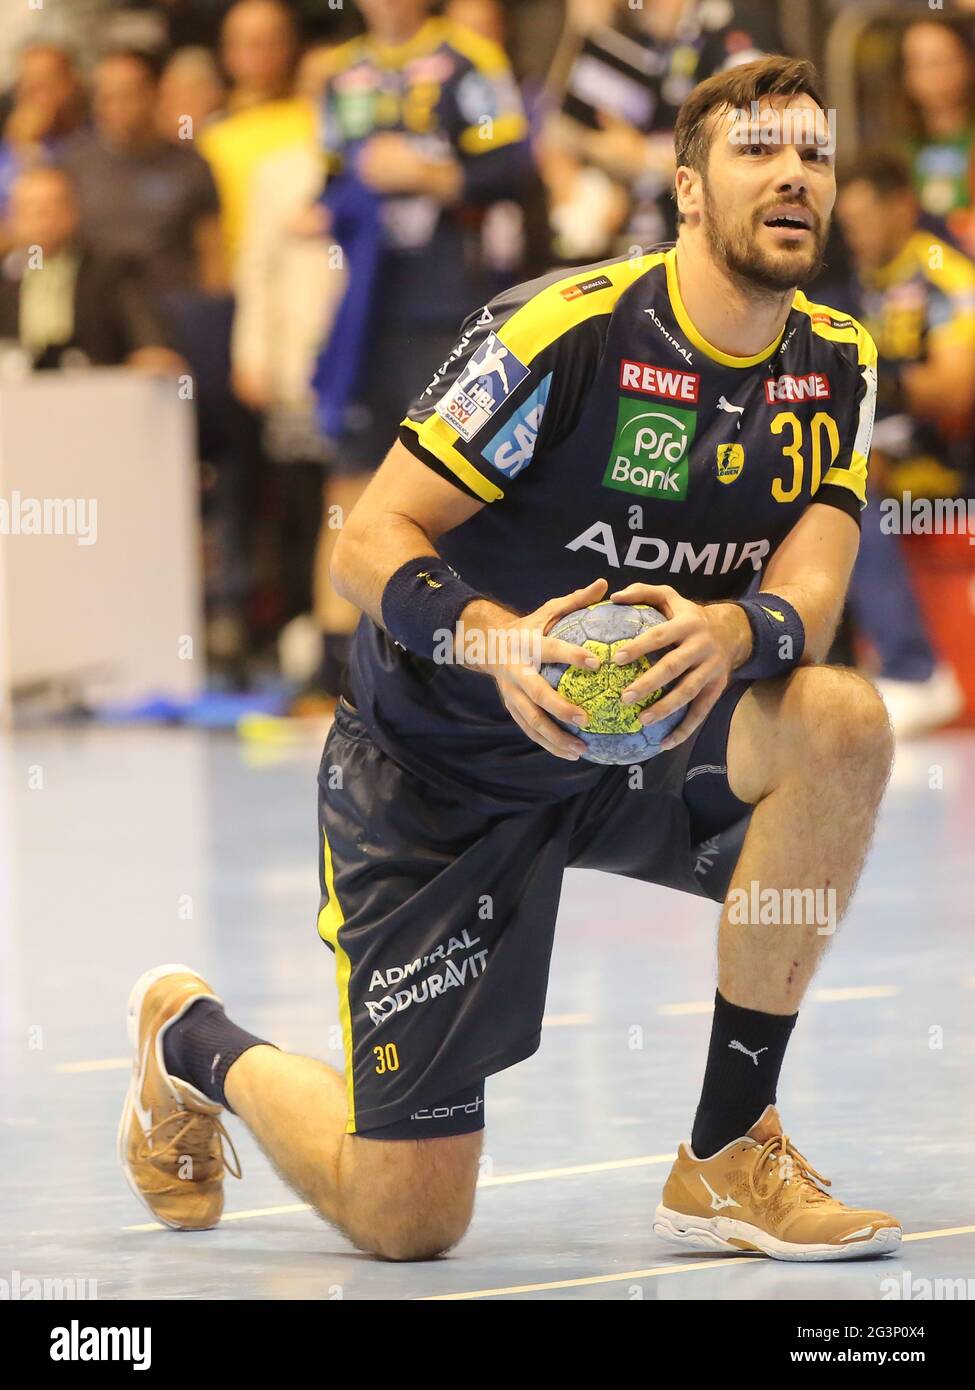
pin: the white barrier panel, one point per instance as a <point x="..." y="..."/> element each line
<point x="99" y="536"/>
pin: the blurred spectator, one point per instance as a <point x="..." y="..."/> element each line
<point x="65" y="304"/>
<point x="938" y="76"/>
<point x="287" y="288"/>
<point x="609" y="155"/>
<point x="142" y="197"/>
<point x="191" y="94"/>
<point x="259" y="51"/>
<point x="424" y="129"/>
<point x="917" y="298"/>
<point x="48" y="105"/>
<point x="484" y="17"/>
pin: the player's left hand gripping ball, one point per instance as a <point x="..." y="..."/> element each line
<point x="614" y="733"/>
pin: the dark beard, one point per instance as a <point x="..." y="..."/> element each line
<point x="749" y="265"/>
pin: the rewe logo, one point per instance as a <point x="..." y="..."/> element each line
<point x="655" y="381"/>
<point x="814" y="386"/>
<point x="649" y="451"/>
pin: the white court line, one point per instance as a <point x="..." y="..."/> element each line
<point x="505" y="1180"/>
<point x="656" y="1273"/>
<point x="697" y="1006"/>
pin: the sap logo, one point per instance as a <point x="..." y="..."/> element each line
<point x="513" y="447"/>
<point x="654" y="553"/>
<point x="814" y="386"/>
<point x="655" y="381"/>
<point x="489" y="378"/>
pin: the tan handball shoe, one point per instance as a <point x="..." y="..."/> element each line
<point x="170" y="1140"/>
<point x="758" y="1194"/>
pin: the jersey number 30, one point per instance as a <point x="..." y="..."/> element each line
<point x="788" y="489"/>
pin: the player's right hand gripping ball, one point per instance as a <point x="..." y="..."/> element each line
<point x="614" y="733"/>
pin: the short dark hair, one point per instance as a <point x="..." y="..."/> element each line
<point x="885" y="169"/>
<point x="735" y="90"/>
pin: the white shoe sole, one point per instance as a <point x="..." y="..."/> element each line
<point x="714" y="1235"/>
<point x="139" y="991"/>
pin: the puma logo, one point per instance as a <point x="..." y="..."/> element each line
<point x="718" y="1203"/>
<point x="730" y="409"/>
<point x="736" y="1046"/>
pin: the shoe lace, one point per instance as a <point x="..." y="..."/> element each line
<point x="779" y="1155"/>
<point x="192" y="1138"/>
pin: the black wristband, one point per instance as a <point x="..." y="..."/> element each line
<point x="778" y="637"/>
<point x="421" y="604"/>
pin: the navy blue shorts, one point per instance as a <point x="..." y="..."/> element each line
<point x="442" y="918"/>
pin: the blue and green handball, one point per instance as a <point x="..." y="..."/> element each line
<point x="614" y="733"/>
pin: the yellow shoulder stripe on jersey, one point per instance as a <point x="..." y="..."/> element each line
<point x="546" y="316"/>
<point x="945" y="267"/>
<point x="342" y="57"/>
<point x="486" y="55"/>
<point x="530" y="330"/>
<point x="426" y="40"/>
<point x="506" y="130"/>
<point x="837" y="327"/>
<point x="330" y="919"/>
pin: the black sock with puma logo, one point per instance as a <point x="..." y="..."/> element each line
<point x="740" y="1080"/>
<point x="203" y="1045"/>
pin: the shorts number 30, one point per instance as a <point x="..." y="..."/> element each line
<point x="387" y="1058"/>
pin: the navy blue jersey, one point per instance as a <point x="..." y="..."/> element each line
<point x="608" y="438"/>
<point x="451" y="94"/>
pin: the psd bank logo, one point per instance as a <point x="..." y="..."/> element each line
<point x="650" y="450"/>
<point x="482" y="387"/>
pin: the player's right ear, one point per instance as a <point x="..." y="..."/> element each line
<point x="689" y="190"/>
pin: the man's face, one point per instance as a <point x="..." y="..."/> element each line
<point x="937" y="68"/>
<point x="258" y="45"/>
<point x="768" y="195"/>
<point x="42" y="211"/>
<point x="45" y="77"/>
<point x="125" y="101"/>
<point x="874" y="226"/>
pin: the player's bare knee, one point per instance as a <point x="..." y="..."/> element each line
<point x="416" y="1199"/>
<point x="838" y="716"/>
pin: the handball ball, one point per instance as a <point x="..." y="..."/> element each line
<point x="614" y="733"/>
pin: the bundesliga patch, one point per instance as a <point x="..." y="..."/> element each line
<point x="730" y="462"/>
<point x="814" y="386"/>
<point x="599" y="282"/>
<point x="513" y="447"/>
<point x="656" y="381"/>
<point x="489" y="378"/>
<point x="650" y="450"/>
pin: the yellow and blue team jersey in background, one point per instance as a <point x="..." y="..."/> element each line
<point x="451" y="93"/>
<point x="924" y="299"/>
<point x="609" y="438"/>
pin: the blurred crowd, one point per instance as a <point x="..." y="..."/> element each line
<point x="294" y="204"/>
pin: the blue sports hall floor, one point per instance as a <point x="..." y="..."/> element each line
<point x="147" y="846"/>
